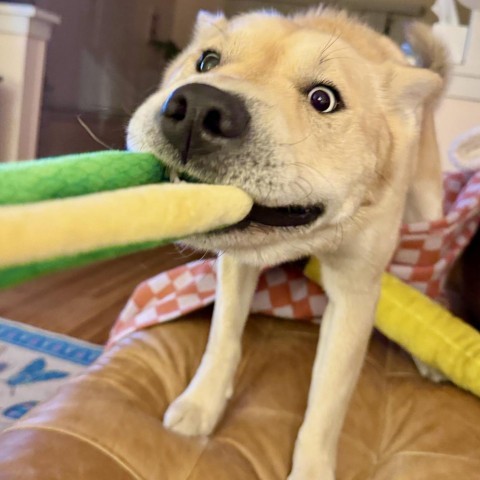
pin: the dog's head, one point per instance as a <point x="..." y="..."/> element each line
<point x="303" y="113"/>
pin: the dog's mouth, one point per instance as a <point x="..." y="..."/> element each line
<point x="288" y="216"/>
<point x="284" y="216"/>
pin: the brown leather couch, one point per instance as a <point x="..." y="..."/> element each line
<point x="107" y="424"/>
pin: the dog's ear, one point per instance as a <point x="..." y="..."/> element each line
<point x="411" y="87"/>
<point x="206" y="21"/>
<point x="413" y="93"/>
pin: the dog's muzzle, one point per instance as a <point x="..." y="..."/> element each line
<point x="199" y="119"/>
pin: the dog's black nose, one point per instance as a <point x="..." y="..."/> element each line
<point x="196" y="117"/>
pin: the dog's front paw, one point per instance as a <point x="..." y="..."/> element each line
<point x="191" y="417"/>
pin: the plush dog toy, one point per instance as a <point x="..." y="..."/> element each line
<point x="69" y="211"/>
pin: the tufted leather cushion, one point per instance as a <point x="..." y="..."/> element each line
<point x="106" y="424"/>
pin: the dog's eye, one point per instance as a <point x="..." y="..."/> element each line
<point x="324" y="99"/>
<point x="207" y="61"/>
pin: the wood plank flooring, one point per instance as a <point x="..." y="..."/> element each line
<point x="84" y="302"/>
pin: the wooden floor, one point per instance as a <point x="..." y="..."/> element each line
<point x="84" y="302"/>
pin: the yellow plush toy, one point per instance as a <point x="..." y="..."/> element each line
<point x="69" y="211"/>
<point x="425" y="329"/>
<point x="65" y="212"/>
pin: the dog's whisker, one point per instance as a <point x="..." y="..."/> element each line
<point x="182" y="256"/>
<point x="339" y="58"/>
<point x="297" y="183"/>
<point x="315" y="171"/>
<point x="180" y="248"/>
<point x="297" y="142"/>
<point x="329" y="44"/>
<point x="269" y="193"/>
<point x="336" y="50"/>
<point x="203" y="257"/>
<point x="328" y="56"/>
<point x="92" y="135"/>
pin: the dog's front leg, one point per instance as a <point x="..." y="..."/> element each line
<point x="345" y="331"/>
<point x="197" y="410"/>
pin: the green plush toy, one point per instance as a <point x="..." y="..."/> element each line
<point x="69" y="211"/>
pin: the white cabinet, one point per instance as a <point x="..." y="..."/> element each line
<point x="24" y="33"/>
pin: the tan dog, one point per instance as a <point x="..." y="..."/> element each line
<point x="324" y="123"/>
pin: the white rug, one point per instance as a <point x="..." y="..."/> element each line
<point x="34" y="364"/>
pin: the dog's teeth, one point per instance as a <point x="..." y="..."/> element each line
<point x="174" y="178"/>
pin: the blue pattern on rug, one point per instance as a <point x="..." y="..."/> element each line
<point x="17" y="411"/>
<point x="47" y="343"/>
<point x="35" y="372"/>
<point x="34" y="364"/>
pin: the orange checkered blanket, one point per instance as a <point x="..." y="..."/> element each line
<point x="424" y="256"/>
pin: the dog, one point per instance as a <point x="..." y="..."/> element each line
<point x="329" y="128"/>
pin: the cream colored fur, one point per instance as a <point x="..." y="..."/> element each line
<point x="372" y="164"/>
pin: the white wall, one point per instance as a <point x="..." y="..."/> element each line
<point x="454" y="117"/>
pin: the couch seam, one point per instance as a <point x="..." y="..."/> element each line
<point x="437" y="454"/>
<point x="200" y="455"/>
<point x="82" y="438"/>
<point x="242" y="453"/>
